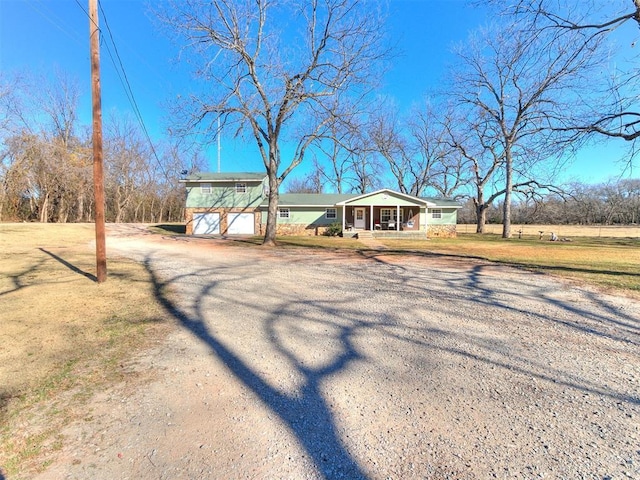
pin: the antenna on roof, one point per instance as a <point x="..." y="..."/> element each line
<point x="218" y="135"/>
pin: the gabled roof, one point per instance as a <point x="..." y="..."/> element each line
<point x="210" y="177"/>
<point x="442" y="202"/>
<point x="309" y="199"/>
<point x="340" y="199"/>
<point x="388" y="191"/>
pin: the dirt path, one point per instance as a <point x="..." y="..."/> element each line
<point x="290" y="364"/>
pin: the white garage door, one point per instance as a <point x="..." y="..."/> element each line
<point x="240" y="224"/>
<point x="206" y="223"/>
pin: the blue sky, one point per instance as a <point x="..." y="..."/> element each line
<point x="38" y="36"/>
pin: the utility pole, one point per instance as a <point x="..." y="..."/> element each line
<point x="98" y="170"/>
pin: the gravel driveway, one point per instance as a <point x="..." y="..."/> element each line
<point x="304" y="365"/>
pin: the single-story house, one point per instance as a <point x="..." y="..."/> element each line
<point x="237" y="203"/>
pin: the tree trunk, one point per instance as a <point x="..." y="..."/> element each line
<point x="506" y="210"/>
<point x="272" y="214"/>
<point x="481" y="218"/>
<point x="63" y="211"/>
<point x="3" y="199"/>
<point x="481" y="211"/>
<point x="80" y="207"/>
<point x="152" y="209"/>
<point x="44" y="209"/>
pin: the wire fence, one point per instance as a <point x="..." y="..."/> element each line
<point x="615" y="231"/>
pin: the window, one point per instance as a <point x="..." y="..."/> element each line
<point x="390" y="214"/>
<point x="436" y="213"/>
<point x="241" y="188"/>
<point x="205" y="188"/>
<point x="331" y="213"/>
<point x="283" y="213"/>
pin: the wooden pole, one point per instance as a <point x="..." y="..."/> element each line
<point x="98" y="170"/>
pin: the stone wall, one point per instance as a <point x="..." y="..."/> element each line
<point x="448" y="231"/>
<point x="296" y="229"/>
<point x="188" y="219"/>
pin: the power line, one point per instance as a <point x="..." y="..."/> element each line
<point x="55" y="20"/>
<point x="130" y="95"/>
<point x="124" y="81"/>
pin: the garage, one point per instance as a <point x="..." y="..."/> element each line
<point x="206" y="223"/>
<point x="240" y="224"/>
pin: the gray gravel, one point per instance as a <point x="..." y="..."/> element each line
<point x="290" y="364"/>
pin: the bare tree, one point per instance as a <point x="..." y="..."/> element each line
<point x="387" y="136"/>
<point x="350" y="161"/>
<point x="417" y="151"/>
<point x="617" y="114"/>
<point x="339" y="143"/>
<point x="274" y="82"/>
<point x="310" y="184"/>
<point x="127" y="175"/>
<point x="45" y="158"/>
<point x="517" y="88"/>
<point x="437" y="166"/>
<point x="484" y="156"/>
<point x="613" y="202"/>
<point x="46" y="166"/>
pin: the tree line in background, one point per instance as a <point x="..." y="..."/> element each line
<point x="46" y="165"/>
<point x="525" y="93"/>
<point x="612" y="203"/>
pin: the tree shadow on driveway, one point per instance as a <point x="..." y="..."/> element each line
<point x="281" y="314"/>
<point x="306" y="412"/>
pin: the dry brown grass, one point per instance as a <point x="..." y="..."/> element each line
<point x="605" y="262"/>
<point x="612" y="231"/>
<point x="607" y="257"/>
<point x="62" y="334"/>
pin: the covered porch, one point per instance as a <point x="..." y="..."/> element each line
<point x="384" y="211"/>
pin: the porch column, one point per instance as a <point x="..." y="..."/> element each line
<point x="344" y="214"/>
<point x="371" y="218"/>
<point x="398" y="218"/>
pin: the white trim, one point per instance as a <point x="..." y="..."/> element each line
<point x="222" y="180"/>
<point x="371" y="218"/>
<point x="435" y="205"/>
<point x="343" y="218"/>
<point x="392" y="192"/>
<point x="289" y="205"/>
<point x="281" y="211"/>
<point x="355" y="217"/>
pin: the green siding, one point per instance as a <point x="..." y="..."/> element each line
<point x="306" y="216"/>
<point x="449" y="216"/>
<point x="223" y="195"/>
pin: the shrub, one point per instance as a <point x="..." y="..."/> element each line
<point x="333" y="230"/>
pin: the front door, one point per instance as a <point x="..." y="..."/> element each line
<point x="359" y="221"/>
